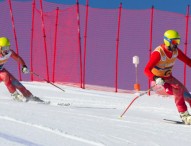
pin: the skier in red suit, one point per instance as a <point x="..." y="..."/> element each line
<point x="9" y="80"/>
<point x="159" y="71"/>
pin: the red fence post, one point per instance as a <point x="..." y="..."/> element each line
<point x="117" y="48"/>
<point x="85" y="43"/>
<point x="32" y="35"/>
<point x="15" y="36"/>
<point x="45" y="46"/>
<point x="186" y="42"/>
<point x="55" y="47"/>
<point x="151" y="38"/>
<point x="79" y="41"/>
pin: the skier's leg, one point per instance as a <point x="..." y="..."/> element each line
<point x="181" y="95"/>
<point x="187" y="96"/>
<point x="20" y="87"/>
<point x="172" y="87"/>
<point x="177" y="89"/>
<point x="26" y="93"/>
<point x="5" y="77"/>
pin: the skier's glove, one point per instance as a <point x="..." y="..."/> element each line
<point x="25" y="70"/>
<point x="159" y="81"/>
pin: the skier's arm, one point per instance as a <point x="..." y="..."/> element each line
<point x="184" y="58"/>
<point x="155" y="58"/>
<point x="17" y="58"/>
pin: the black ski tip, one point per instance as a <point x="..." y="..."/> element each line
<point x="173" y="121"/>
<point x="35" y="99"/>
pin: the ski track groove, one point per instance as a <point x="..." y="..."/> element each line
<point x="120" y="139"/>
<point x="55" y="131"/>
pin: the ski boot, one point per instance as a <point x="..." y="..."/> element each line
<point x="18" y="97"/>
<point x="186" y="117"/>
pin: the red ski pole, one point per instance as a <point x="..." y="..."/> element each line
<point x="135" y="99"/>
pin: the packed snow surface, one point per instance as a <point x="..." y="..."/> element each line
<point x="91" y="119"/>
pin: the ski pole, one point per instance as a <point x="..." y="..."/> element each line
<point x="46" y="80"/>
<point x="135" y="99"/>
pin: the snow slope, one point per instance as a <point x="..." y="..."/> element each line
<point x="92" y="119"/>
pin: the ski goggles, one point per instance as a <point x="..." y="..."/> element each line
<point x="5" y="50"/>
<point x="175" y="41"/>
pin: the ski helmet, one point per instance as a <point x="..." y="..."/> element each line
<point x="4" y="42"/>
<point x="171" y="37"/>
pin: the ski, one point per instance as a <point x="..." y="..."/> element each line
<point x="50" y="103"/>
<point x="38" y="100"/>
<point x="173" y="121"/>
<point x="54" y="103"/>
<point x="63" y="104"/>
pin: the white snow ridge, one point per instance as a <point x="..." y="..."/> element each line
<point x="91" y="119"/>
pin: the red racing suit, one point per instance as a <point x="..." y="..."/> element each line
<point x="9" y="80"/>
<point x="161" y="64"/>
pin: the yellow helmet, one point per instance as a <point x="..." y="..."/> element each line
<point x="4" y="42"/>
<point x="171" y="37"/>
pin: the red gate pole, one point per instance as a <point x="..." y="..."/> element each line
<point x="32" y="35"/>
<point x="79" y="41"/>
<point x="186" y="42"/>
<point x="55" y="46"/>
<point x="117" y="48"/>
<point x="45" y="46"/>
<point x="151" y="38"/>
<point x="15" y="36"/>
<point x="85" y="44"/>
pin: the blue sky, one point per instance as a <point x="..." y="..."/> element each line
<point x="178" y="6"/>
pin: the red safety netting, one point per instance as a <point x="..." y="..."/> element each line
<point x="58" y="53"/>
<point x="101" y="47"/>
<point x="62" y="49"/>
